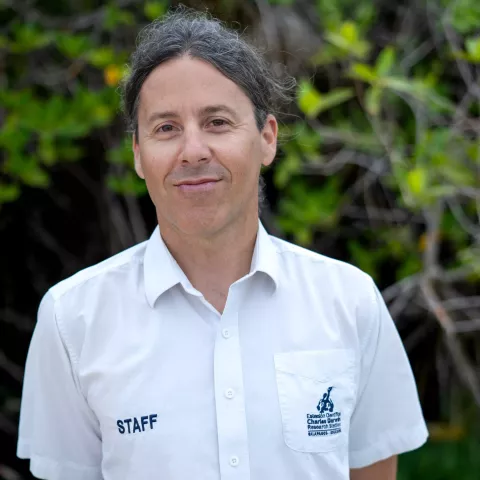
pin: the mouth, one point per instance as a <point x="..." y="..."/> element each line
<point x="198" y="185"/>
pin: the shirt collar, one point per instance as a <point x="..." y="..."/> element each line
<point x="265" y="256"/>
<point x="162" y="272"/>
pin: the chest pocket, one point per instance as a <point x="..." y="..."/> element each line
<point x="316" y="391"/>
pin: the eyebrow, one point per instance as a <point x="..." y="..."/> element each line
<point x="209" y="110"/>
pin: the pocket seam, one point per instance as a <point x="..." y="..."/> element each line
<point x="288" y="433"/>
<point x="349" y="364"/>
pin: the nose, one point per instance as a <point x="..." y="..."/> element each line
<point x="194" y="147"/>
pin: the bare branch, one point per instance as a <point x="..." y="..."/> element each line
<point x="30" y="14"/>
<point x="461" y="303"/>
<point x="468" y="326"/>
<point x="19" y="321"/>
<point x="11" y="367"/>
<point x="433" y="217"/>
<point x="7" y="473"/>
<point x="464" y="369"/>
<point x="139" y="230"/>
<point x="7" y="425"/>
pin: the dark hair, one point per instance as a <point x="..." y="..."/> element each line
<point x="188" y="32"/>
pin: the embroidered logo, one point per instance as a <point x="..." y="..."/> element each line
<point x="134" y="424"/>
<point x="326" y="422"/>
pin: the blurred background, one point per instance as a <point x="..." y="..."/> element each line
<point x="379" y="166"/>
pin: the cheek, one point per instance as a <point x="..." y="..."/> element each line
<point x="156" y="166"/>
<point x="245" y="164"/>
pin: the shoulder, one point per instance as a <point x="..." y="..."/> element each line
<point x="72" y="305"/>
<point x="321" y="266"/>
<point x="335" y="283"/>
<point x="118" y="264"/>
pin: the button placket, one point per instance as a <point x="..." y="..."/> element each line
<point x="229" y="397"/>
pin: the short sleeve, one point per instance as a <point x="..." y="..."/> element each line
<point x="387" y="419"/>
<point x="58" y="431"/>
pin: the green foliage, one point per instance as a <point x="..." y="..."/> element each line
<point x="389" y="126"/>
<point x="394" y="246"/>
<point x="124" y="181"/>
<point x="47" y="117"/>
<point x="444" y="460"/>
<point x="116" y="17"/>
<point x="344" y="41"/>
<point x="155" y="9"/>
<point x="377" y="107"/>
<point x="303" y="210"/>
<point x="312" y="102"/>
<point x="464" y="15"/>
<point x="374" y="107"/>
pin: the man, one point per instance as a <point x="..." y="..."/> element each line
<point x="213" y="351"/>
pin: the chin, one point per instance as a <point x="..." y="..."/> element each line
<point x="201" y="224"/>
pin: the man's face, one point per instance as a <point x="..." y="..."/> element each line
<point x="198" y="147"/>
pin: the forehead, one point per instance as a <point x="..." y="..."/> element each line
<point x="185" y="84"/>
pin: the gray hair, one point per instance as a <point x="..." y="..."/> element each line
<point x="188" y="32"/>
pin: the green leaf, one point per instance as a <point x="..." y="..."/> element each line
<point x="465" y="15"/>
<point x="459" y="175"/>
<point x="348" y="40"/>
<point x="308" y="141"/>
<point x="29" y="37"/>
<point x="385" y="61"/>
<point x="46" y="149"/>
<point x="373" y="98"/>
<point x="312" y="102"/>
<point x="328" y="54"/>
<point x="349" y="32"/>
<point x="417" y="181"/>
<point x="102" y="57"/>
<point x="115" y="17"/>
<point x="127" y="184"/>
<point x="308" y="98"/>
<point x="419" y="90"/>
<point x="335" y="97"/>
<point x="287" y="167"/>
<point x="442" y="191"/>
<point x="364" y="258"/>
<point x="35" y="177"/>
<point x="364" y="72"/>
<point x="122" y="154"/>
<point x="154" y="10"/>
<point x="73" y="46"/>
<point x="472" y="46"/>
<point x="303" y="207"/>
<point x="9" y="192"/>
<point x="411" y="265"/>
<point x="102" y="114"/>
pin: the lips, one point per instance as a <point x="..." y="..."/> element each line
<point x="197" y="185"/>
<point x="197" y="181"/>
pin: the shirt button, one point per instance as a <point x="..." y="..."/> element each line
<point x="229" y="393"/>
<point x="234" y="461"/>
<point x="226" y="333"/>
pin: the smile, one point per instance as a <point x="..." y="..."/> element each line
<point x="198" y="186"/>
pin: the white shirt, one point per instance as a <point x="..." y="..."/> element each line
<point x="132" y="374"/>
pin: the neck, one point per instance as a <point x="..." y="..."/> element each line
<point x="214" y="263"/>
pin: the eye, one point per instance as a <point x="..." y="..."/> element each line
<point x="219" y="122"/>
<point x="164" y="128"/>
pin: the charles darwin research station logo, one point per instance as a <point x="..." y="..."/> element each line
<point x="327" y="421"/>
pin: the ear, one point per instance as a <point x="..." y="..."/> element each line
<point x="269" y="140"/>
<point x="136" y="156"/>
